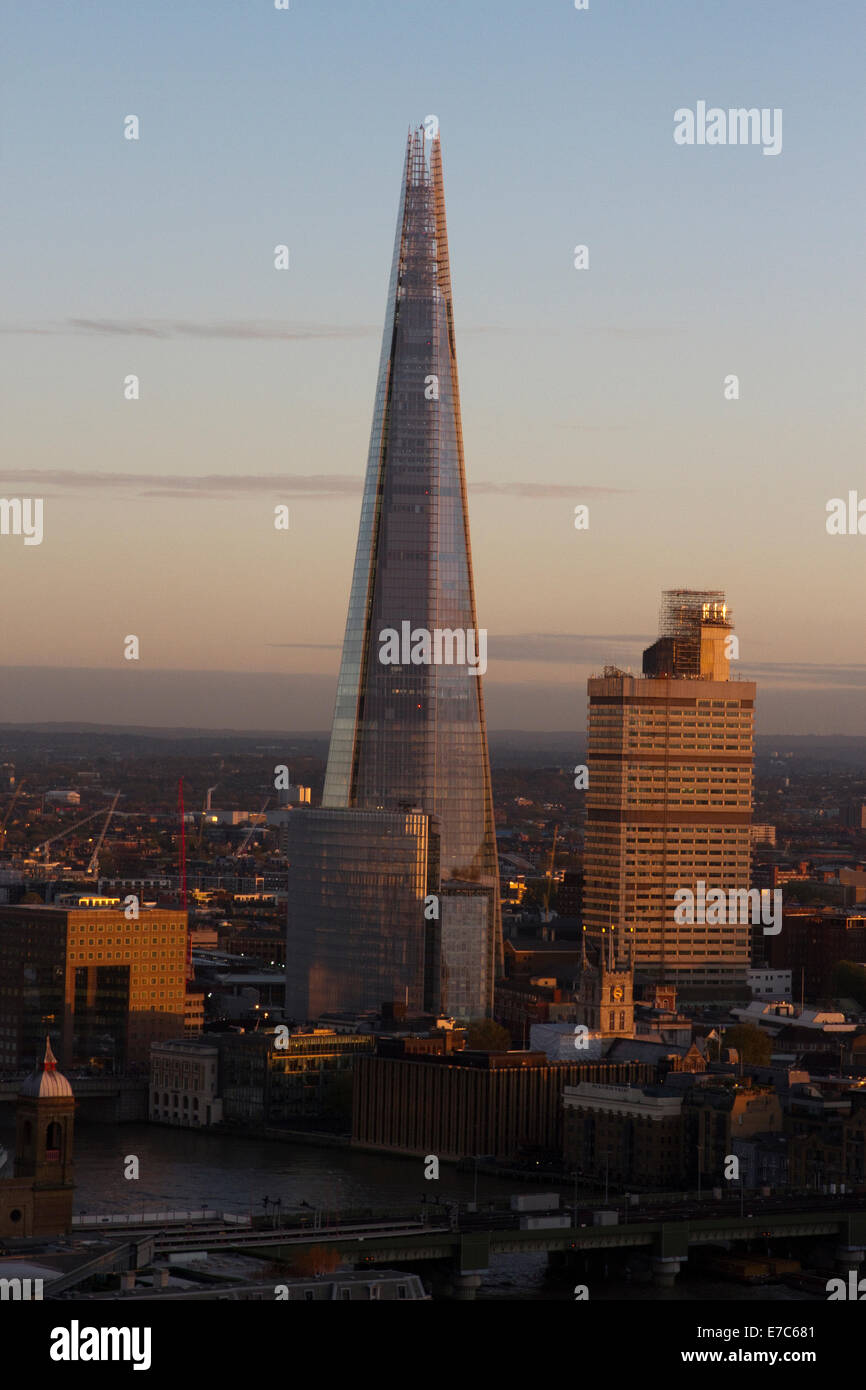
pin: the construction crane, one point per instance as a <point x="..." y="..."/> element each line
<point x="204" y="812"/>
<point x="549" y="884"/>
<point x="68" y="831"/>
<point x="253" y="828"/>
<point x="9" y="809"/>
<point x="93" y="866"/>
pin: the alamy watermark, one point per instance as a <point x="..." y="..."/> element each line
<point x="736" y="126"/>
<point x="846" y="519"/>
<point x="442" y="647"/>
<point x="717" y="906"/>
<point x="23" y="1290"/>
<point x="22" y="516"/>
<point x="77" y="1343"/>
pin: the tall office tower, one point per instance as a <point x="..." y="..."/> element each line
<point x="409" y="731"/>
<point x="107" y="987"/>
<point x="669" y="802"/>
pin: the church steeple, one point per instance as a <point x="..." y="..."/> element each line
<point x="45" y="1110"/>
<point x="37" y="1201"/>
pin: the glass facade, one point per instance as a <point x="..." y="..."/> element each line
<point x="356" y="926"/>
<point x="101" y="998"/>
<point x="463" y="957"/>
<point x="412" y="733"/>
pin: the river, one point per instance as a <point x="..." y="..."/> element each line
<point x="183" y="1169"/>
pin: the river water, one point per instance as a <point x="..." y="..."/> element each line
<point x="182" y="1170"/>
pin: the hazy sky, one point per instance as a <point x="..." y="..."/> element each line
<point x="603" y="386"/>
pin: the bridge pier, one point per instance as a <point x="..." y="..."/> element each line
<point x="665" y="1269"/>
<point x="463" y="1287"/>
<point x="847" y="1257"/>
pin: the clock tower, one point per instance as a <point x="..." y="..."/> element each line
<point x="605" y="995"/>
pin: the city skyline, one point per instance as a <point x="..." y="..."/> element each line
<point x="397" y="901"/>
<point x="602" y="387"/>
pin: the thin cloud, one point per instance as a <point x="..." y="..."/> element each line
<point x="560" y="646"/>
<point x="618" y="330"/>
<point x="593" y="429"/>
<point x="214" y="485"/>
<point x="850" y="676"/>
<point x="258" y="329"/>
<point x="171" y="484"/>
<point x="569" y="490"/>
<point x="597" y="649"/>
<point x="262" y="330"/>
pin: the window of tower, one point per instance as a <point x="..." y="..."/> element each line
<point x="52" y="1143"/>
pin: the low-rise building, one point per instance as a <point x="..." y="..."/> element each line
<point x="273" y="1079"/>
<point x="630" y="1135"/>
<point x="769" y="984"/>
<point x="184" y="1083"/>
<point x="458" y="1104"/>
<point x="656" y="1137"/>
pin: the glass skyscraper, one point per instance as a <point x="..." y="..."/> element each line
<point x="409" y="730"/>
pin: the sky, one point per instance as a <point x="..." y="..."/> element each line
<point x="603" y="387"/>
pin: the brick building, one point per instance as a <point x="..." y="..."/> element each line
<point x="464" y="1103"/>
<point x="657" y="1137"/>
<point x="811" y="944"/>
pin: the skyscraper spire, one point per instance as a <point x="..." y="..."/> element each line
<point x="413" y="733"/>
<point x="394" y="892"/>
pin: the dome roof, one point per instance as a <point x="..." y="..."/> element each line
<point x="46" y="1083"/>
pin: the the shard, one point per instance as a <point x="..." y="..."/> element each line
<point x="409" y="731"/>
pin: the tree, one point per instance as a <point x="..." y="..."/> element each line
<point x="486" y="1036"/>
<point x="751" y="1042"/>
<point x="849" y="982"/>
<point x="313" y="1260"/>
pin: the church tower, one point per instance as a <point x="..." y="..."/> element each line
<point x="605" y="995"/>
<point x="37" y="1201"/>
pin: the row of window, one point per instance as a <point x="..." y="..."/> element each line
<point x="175" y="1100"/>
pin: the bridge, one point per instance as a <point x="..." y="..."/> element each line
<point x="110" y="1098"/>
<point x="466" y="1242"/>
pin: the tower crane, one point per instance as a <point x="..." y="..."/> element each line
<point x="253" y="828"/>
<point x="205" y="810"/>
<point x="93" y="866"/>
<point x="9" y="809"/>
<point x="68" y="831"/>
<point x="548" y="886"/>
